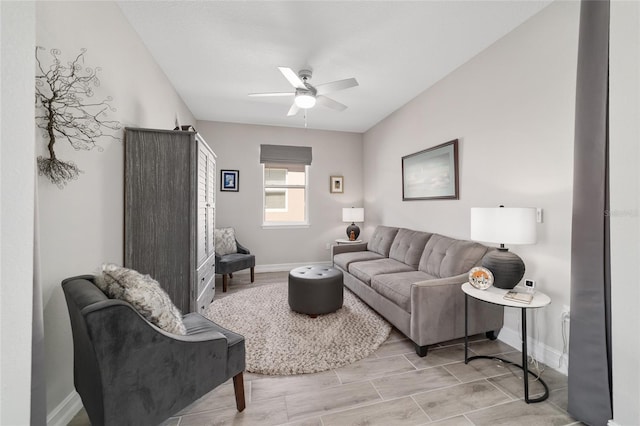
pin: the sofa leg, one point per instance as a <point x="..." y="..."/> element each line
<point x="491" y="335"/>
<point x="421" y="350"/>
<point x="238" y="387"/>
<point x="253" y="275"/>
<point x="224" y="283"/>
<point x="230" y="274"/>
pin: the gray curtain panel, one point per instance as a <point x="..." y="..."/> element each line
<point x="590" y="333"/>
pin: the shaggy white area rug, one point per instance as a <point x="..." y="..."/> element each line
<point x="279" y="341"/>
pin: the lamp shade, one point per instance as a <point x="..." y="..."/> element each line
<point x="353" y="214"/>
<point x="504" y="225"/>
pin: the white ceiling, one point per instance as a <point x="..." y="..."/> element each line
<point x="216" y="52"/>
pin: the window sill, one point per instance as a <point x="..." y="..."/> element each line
<point x="285" y="225"/>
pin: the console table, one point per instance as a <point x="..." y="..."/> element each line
<point x="496" y="296"/>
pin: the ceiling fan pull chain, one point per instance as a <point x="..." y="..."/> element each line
<point x="305" y="118"/>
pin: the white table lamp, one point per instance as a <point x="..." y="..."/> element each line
<point x="504" y="225"/>
<point x="353" y="215"/>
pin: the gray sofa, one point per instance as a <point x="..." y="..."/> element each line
<point x="413" y="279"/>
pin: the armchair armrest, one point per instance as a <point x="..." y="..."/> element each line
<point x="242" y="249"/>
<point x="137" y="358"/>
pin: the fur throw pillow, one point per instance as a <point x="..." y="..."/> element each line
<point x="225" y="240"/>
<point x="144" y="294"/>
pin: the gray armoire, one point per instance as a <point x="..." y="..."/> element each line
<point x="169" y="204"/>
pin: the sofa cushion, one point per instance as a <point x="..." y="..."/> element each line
<point x="382" y="239"/>
<point x="408" y="246"/>
<point x="364" y="271"/>
<point x="343" y="260"/>
<point x="144" y="294"/>
<point x="446" y="257"/>
<point x="397" y="287"/>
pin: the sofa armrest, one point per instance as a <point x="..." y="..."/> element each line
<point x="347" y="248"/>
<point x="437" y="311"/>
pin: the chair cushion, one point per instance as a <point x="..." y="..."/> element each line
<point x="225" y="241"/>
<point x="144" y="294"/>
<point x="233" y="262"/>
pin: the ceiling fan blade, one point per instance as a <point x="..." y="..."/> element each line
<point x="334" y="86"/>
<point x="293" y="110"/>
<point x="328" y="102"/>
<point x="272" y="94"/>
<point x="292" y="77"/>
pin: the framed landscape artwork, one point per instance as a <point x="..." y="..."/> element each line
<point x="229" y="180"/>
<point x="431" y="174"/>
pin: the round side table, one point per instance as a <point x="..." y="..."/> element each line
<point x="496" y="296"/>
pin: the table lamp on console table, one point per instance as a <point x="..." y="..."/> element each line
<point x="353" y="215"/>
<point x="504" y="225"/>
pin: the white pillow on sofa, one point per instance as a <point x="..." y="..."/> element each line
<point x="144" y="294"/>
<point x="225" y="241"/>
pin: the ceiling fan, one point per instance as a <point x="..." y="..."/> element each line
<point x="306" y="95"/>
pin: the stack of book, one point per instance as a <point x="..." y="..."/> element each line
<point x="519" y="297"/>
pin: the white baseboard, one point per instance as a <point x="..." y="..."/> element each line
<point x="282" y="267"/>
<point x="612" y="423"/>
<point x="65" y="411"/>
<point x="537" y="349"/>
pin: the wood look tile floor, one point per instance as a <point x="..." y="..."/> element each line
<point x="392" y="387"/>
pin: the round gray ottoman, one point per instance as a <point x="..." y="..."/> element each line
<point x="315" y="290"/>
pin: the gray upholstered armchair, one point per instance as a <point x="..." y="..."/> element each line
<point x="129" y="372"/>
<point x="227" y="264"/>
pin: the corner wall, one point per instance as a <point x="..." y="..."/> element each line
<point x="334" y="154"/>
<point x="512" y="108"/>
<point x="81" y="225"/>
<point x="17" y="176"/>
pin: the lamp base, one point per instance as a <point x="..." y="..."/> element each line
<point x="507" y="268"/>
<point x="353" y="231"/>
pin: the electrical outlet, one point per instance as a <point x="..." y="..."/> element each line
<point x="539" y="215"/>
<point x="328" y="246"/>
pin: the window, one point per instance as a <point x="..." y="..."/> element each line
<point x="286" y="185"/>
<point x="285" y="194"/>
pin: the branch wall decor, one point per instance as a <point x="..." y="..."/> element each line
<point x="64" y="111"/>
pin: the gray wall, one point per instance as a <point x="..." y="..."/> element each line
<point x="82" y="225"/>
<point x="512" y="107"/>
<point x="334" y="153"/>
<point x="17" y="171"/>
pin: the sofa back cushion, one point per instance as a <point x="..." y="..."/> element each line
<point x="445" y="257"/>
<point x="381" y="240"/>
<point x="408" y="246"/>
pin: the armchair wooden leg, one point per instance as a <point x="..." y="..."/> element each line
<point x="253" y="275"/>
<point x="224" y="283"/>
<point x="230" y="275"/>
<point x="238" y="387"/>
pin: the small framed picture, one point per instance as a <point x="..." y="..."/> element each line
<point x="229" y="180"/>
<point x="336" y="184"/>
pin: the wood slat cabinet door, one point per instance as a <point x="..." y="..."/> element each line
<point x="162" y="207"/>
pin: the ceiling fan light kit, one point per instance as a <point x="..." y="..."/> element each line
<point x="305" y="100"/>
<point x="307" y="96"/>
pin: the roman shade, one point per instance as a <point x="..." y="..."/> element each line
<point x="285" y="154"/>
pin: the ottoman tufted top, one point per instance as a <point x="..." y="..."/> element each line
<point x="315" y="272"/>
